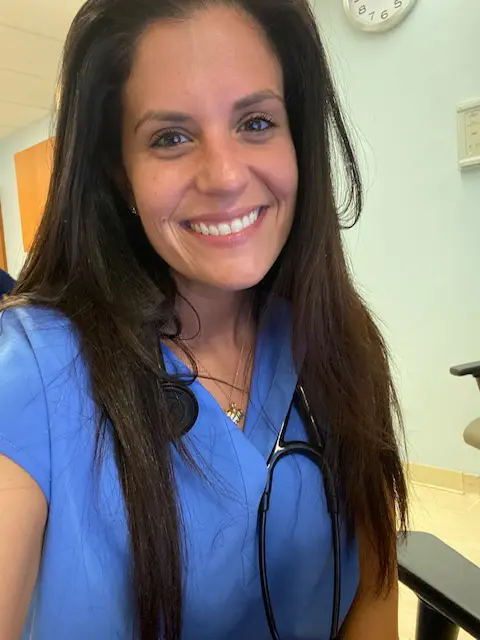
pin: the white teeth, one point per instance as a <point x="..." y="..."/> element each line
<point x="225" y="229"/>
<point x="237" y="225"/>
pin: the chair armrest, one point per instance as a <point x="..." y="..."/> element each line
<point x="470" y="368"/>
<point x="442" y="578"/>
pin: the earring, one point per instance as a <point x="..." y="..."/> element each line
<point x="134" y="211"/>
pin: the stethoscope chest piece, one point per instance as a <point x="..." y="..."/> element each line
<point x="182" y="404"/>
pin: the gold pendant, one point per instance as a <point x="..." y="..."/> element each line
<point x="234" y="413"/>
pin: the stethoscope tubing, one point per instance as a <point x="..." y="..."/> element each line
<point x="279" y="451"/>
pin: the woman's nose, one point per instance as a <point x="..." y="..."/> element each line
<point x="223" y="168"/>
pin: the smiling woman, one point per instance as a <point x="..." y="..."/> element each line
<point x="212" y="169"/>
<point x="191" y="249"/>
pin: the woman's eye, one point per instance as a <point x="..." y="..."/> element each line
<point x="169" y="140"/>
<point x="258" y="124"/>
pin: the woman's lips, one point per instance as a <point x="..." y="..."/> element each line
<point x="226" y="226"/>
<point x="227" y="232"/>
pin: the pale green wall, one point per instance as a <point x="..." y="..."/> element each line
<point x="415" y="252"/>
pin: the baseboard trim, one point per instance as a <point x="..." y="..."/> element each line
<point x="447" y="479"/>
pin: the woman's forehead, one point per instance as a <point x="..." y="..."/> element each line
<point x="218" y="55"/>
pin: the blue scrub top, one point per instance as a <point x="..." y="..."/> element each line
<point x="47" y="426"/>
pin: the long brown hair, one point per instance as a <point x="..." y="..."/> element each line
<point x="91" y="261"/>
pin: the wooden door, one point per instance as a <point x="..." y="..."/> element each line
<point x="3" y="248"/>
<point x="33" y="168"/>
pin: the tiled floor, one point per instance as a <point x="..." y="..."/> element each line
<point x="453" y="517"/>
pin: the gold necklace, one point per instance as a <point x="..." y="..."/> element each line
<point x="233" y="412"/>
<point x="236" y="414"/>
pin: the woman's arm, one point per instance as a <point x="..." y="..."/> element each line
<point x="23" y="515"/>
<point x="373" y="616"/>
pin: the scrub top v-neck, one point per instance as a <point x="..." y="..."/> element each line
<point x="47" y="426"/>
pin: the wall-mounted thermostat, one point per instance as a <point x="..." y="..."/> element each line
<point x="468" y="122"/>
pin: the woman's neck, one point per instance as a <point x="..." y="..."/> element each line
<point x="212" y="318"/>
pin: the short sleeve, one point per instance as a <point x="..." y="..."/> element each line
<point x="24" y="424"/>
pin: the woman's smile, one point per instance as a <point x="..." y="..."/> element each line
<point x="227" y="229"/>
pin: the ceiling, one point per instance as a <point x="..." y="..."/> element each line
<point x="32" y="33"/>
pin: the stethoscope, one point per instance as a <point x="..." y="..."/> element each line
<point x="183" y="406"/>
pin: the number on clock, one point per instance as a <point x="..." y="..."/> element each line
<point x="377" y="15"/>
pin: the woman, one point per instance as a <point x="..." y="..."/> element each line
<point x="191" y="234"/>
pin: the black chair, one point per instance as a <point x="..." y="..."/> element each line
<point x="471" y="435"/>
<point x="447" y="584"/>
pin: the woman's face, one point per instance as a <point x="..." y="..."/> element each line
<point x="207" y="148"/>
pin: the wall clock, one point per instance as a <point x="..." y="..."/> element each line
<point x="377" y="15"/>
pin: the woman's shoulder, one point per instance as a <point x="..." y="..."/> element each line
<point x="39" y="353"/>
<point x="34" y="318"/>
<point x="41" y="381"/>
<point x="45" y="333"/>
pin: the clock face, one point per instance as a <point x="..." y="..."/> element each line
<point x="377" y="15"/>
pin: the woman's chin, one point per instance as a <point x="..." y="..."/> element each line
<point x="223" y="282"/>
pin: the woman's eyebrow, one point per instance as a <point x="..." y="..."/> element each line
<point x="178" y="117"/>
<point x="162" y="116"/>
<point x="255" y="98"/>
